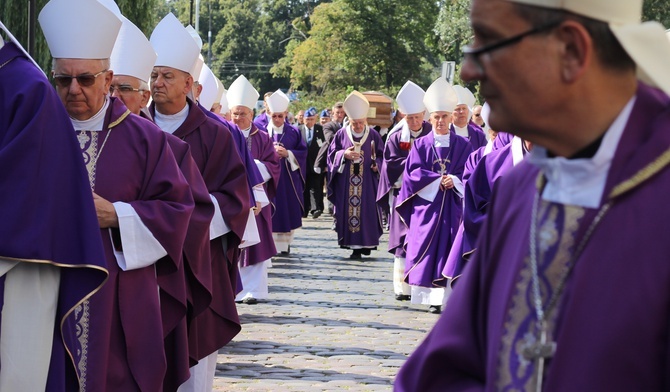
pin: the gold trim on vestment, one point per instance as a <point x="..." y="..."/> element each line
<point x="647" y="172"/>
<point x="79" y="303"/>
<point x="119" y="120"/>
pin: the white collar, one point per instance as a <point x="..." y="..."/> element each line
<point x="274" y="130"/>
<point x="441" y="140"/>
<point x="2" y="43"/>
<point x="94" y="123"/>
<point x="517" y="150"/>
<point x="246" y="132"/>
<point x="581" y="182"/>
<point x="461" y="131"/>
<point x="171" y="122"/>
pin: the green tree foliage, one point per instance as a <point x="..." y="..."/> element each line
<point x="658" y="10"/>
<point x="14" y="14"/>
<point x="362" y="43"/>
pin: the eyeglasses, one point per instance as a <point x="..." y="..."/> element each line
<point x="123" y="89"/>
<point x="277" y="116"/>
<point x="477" y="115"/>
<point x="474" y="54"/>
<point x="84" y="80"/>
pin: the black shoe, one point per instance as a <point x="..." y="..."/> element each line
<point x="250" y="301"/>
<point x="402" y="297"/>
<point x="316" y="214"/>
<point x="366" y="251"/>
<point x="435" y="309"/>
<point x="356" y="255"/>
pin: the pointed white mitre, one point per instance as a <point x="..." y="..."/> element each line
<point x="356" y="106"/>
<point x="242" y="93"/>
<point x="133" y="54"/>
<point x="465" y="97"/>
<point x="79" y="29"/>
<point x="278" y="102"/>
<point x="440" y="97"/>
<point x="410" y="98"/>
<point x="644" y="42"/>
<point x="174" y="45"/>
<point x="195" y="35"/>
<point x="209" y="90"/>
<point x="197" y="67"/>
<point x="221" y="98"/>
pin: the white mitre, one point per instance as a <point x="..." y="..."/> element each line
<point x="278" y="102"/>
<point x="209" y="91"/>
<point x="242" y="93"/>
<point x="174" y="45"/>
<point x="410" y="98"/>
<point x="133" y="54"/>
<point x="356" y="106"/>
<point x="465" y="97"/>
<point x="79" y="29"/>
<point x="440" y="97"/>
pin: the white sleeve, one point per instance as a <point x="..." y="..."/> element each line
<point x="430" y="191"/>
<point x="264" y="170"/>
<point x="218" y="226"/>
<point x="250" y="236"/>
<point x="140" y="247"/>
<point x="293" y="161"/>
<point x="260" y="195"/>
<point x="459" y="189"/>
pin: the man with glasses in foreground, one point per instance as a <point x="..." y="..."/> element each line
<point x="569" y="287"/>
<point x="143" y="204"/>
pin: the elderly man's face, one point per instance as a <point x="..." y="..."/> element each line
<point x="358" y="126"/>
<point x="300" y="117"/>
<point x="241" y="116"/>
<point x="324" y="120"/>
<point x="414" y="121"/>
<point x="169" y="87"/>
<point x="440" y="122"/>
<point x="126" y="89"/>
<point x="278" y="119"/>
<point x="82" y="102"/>
<point x="460" y="115"/>
<point x="310" y="121"/>
<point x="519" y="80"/>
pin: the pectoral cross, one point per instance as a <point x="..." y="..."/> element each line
<point x="538" y="351"/>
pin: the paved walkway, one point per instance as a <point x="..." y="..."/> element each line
<point x="331" y="324"/>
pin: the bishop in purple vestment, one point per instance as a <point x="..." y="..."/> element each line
<point x="354" y="158"/>
<point x="40" y="156"/>
<point x="292" y="150"/>
<point x="568" y="289"/>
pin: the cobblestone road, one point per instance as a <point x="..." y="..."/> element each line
<point x="330" y="324"/>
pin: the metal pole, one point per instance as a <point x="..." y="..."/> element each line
<point x="190" y="14"/>
<point x="197" y="16"/>
<point x="209" y="36"/>
<point x="31" y="27"/>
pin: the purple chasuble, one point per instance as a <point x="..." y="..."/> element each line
<point x="130" y="161"/>
<point x="431" y="225"/>
<point x="617" y="290"/>
<point x="221" y="167"/>
<point x="253" y="175"/>
<point x="476" y="136"/>
<point x="352" y="188"/>
<point x="393" y="165"/>
<point x="261" y="147"/>
<point x="478" y="191"/>
<point x="40" y="156"/>
<point x="502" y="139"/>
<point x="288" y="200"/>
<point x="194" y="275"/>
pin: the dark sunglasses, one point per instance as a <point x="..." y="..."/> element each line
<point x="84" y="80"/>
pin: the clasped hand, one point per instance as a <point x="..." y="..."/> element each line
<point x="446" y="182"/>
<point x="351" y="155"/>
